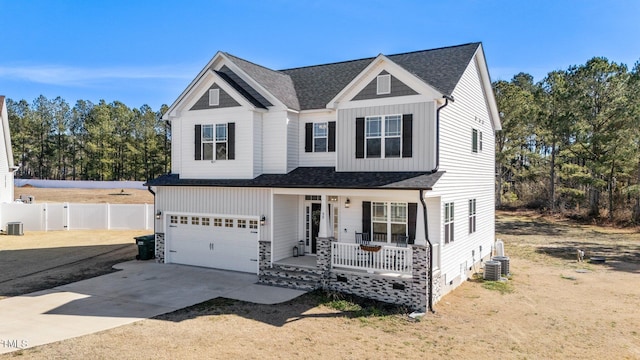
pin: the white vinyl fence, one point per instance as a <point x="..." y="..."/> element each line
<point x="71" y="216"/>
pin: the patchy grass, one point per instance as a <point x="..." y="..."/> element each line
<point x="503" y="287"/>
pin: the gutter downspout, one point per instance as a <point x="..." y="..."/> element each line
<point x="424" y="205"/>
<point x="154" y="208"/>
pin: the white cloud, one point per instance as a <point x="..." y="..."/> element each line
<point x="79" y="76"/>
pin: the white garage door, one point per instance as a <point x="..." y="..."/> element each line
<point x="229" y="243"/>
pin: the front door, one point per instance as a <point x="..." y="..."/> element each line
<point x="315" y="226"/>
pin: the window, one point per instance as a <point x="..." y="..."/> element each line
<point x="205" y="221"/>
<point x="214" y="97"/>
<point x="207" y="142"/>
<point x="217" y="222"/>
<point x="253" y="224"/>
<point x="319" y="137"/>
<point x="472" y="216"/>
<point x="448" y="222"/>
<point x="215" y="141"/>
<point x="384" y="136"/>
<point x="383" y="84"/>
<point x="476" y="141"/>
<point x="221" y="141"/>
<point x="184" y="220"/>
<point x="388" y="220"/>
<point x="195" y="220"/>
<point x="173" y="219"/>
<point x="228" y="222"/>
<point x="242" y="224"/>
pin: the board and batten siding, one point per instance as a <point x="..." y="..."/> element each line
<point x="257" y="144"/>
<point x="316" y="158"/>
<point x="285" y="219"/>
<point x="239" y="168"/>
<point x="468" y="175"/>
<point x="423" y="157"/>
<point x="223" y="201"/>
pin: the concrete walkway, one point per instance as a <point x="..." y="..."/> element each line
<point x="141" y="290"/>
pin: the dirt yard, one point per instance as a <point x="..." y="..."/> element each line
<point x="111" y="196"/>
<point x="552" y="308"/>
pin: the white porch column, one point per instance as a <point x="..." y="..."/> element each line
<point x="322" y="232"/>
<point x="420" y="235"/>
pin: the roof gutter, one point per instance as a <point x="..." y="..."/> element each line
<point x="447" y="98"/>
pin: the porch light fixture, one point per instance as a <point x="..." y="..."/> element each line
<point x="159" y="214"/>
<point x="347" y="203"/>
<point x="263" y="220"/>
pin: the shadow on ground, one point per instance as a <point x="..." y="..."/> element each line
<point x="529" y="227"/>
<point x="28" y="270"/>
<point x="281" y="314"/>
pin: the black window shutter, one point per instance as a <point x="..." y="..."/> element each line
<point x="366" y="217"/>
<point x="198" y="142"/>
<point x="407" y="135"/>
<point x="413" y="213"/>
<point x="360" y="138"/>
<point x="231" y="141"/>
<point x="308" y="137"/>
<point x="332" y="136"/>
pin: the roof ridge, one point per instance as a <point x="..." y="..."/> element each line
<point x="373" y="57"/>
<point x="252" y="63"/>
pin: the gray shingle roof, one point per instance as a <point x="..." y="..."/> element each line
<point x="312" y="87"/>
<point x="316" y="177"/>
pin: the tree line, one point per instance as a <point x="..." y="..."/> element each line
<point x="104" y="141"/>
<point x="571" y="142"/>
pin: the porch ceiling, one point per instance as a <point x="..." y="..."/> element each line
<point x="316" y="177"/>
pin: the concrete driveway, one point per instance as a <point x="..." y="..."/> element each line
<point x="140" y="290"/>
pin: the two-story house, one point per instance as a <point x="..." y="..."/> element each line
<point x="379" y="171"/>
<point x="6" y="156"/>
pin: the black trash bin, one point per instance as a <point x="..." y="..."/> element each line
<point x="146" y="247"/>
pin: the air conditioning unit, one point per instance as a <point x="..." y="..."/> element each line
<point x="14" y="228"/>
<point x="504" y="262"/>
<point x="492" y="270"/>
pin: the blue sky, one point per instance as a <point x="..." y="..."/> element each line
<point x="147" y="52"/>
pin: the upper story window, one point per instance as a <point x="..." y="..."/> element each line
<point x="476" y="141"/>
<point x="219" y="138"/>
<point x="383" y="84"/>
<point x="320" y="137"/>
<point x="214" y="97"/>
<point x="221" y="141"/>
<point x="383" y="133"/>
<point x="384" y="136"/>
<point x="207" y="142"/>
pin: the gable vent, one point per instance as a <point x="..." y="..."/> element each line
<point x="214" y="97"/>
<point x="384" y="84"/>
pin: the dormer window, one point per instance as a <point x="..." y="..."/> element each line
<point x="214" y="97"/>
<point x="384" y="84"/>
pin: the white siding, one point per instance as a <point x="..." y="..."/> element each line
<point x="423" y="157"/>
<point x="240" y="168"/>
<point x="248" y="202"/>
<point x="316" y="158"/>
<point x="285" y="219"/>
<point x="468" y="175"/>
<point x="257" y="144"/>
<point x="274" y="142"/>
<point x="292" y="141"/>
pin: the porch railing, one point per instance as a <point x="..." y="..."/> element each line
<point x="389" y="259"/>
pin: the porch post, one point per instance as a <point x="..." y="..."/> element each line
<point x="421" y="238"/>
<point x="322" y="232"/>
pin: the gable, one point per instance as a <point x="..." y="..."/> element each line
<point x="225" y="100"/>
<point x="398" y="88"/>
